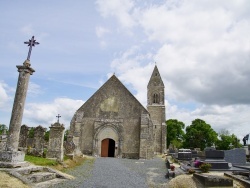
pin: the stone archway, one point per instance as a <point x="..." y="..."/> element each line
<point x="107" y="141"/>
<point x="107" y="147"/>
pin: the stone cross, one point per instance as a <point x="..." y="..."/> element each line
<point x="32" y="42"/>
<point x="58" y="116"/>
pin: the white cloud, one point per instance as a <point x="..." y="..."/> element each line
<point x="203" y="57"/>
<point x="34" y="89"/>
<point x="45" y="113"/>
<point x="3" y="94"/>
<point x="121" y="10"/>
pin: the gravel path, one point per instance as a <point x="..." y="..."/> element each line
<point x="122" y="173"/>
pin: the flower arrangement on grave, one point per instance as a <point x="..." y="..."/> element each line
<point x="205" y="167"/>
<point x="172" y="167"/>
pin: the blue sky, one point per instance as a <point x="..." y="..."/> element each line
<point x="202" y="49"/>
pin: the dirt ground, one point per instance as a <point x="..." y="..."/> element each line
<point x="7" y="181"/>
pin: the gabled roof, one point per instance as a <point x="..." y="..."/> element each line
<point x="113" y="84"/>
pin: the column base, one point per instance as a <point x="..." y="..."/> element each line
<point x="12" y="156"/>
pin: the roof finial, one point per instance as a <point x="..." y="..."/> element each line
<point x="155" y="63"/>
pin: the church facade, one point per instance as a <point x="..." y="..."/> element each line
<point x="113" y="123"/>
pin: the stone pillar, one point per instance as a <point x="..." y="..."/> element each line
<point x="55" y="148"/>
<point x="11" y="157"/>
<point x="39" y="133"/>
<point x="17" y="111"/>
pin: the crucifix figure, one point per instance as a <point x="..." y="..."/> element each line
<point x="31" y="42"/>
<point x="58" y="116"/>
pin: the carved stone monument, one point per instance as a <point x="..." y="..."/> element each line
<point x="24" y="134"/>
<point x="69" y="147"/>
<point x="11" y="156"/>
<point x="55" y="148"/>
<point x="39" y="133"/>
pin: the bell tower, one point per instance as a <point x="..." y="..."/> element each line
<point x="156" y="108"/>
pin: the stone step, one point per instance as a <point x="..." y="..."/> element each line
<point x="41" y="176"/>
<point x="48" y="183"/>
<point x="31" y="169"/>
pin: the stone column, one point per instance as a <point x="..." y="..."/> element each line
<point x="55" y="148"/>
<point x="11" y="157"/>
<point x="17" y="111"/>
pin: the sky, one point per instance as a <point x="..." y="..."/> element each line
<point x="201" y="48"/>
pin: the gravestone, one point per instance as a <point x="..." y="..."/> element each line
<point x="236" y="156"/>
<point x="3" y="140"/>
<point x="184" y="154"/>
<point x="69" y="147"/>
<point x="55" y="148"/>
<point x="194" y="153"/>
<point x="39" y="133"/>
<point x="216" y="159"/>
<point x="24" y="134"/>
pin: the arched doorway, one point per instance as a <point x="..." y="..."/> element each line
<point x="108" y="148"/>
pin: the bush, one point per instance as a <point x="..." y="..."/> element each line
<point x="205" y="167"/>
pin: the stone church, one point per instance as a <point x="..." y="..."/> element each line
<point x="113" y="123"/>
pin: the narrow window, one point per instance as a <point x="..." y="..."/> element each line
<point x="156" y="98"/>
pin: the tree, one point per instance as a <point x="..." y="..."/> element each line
<point x="226" y="139"/>
<point x="199" y="135"/>
<point x="175" y="132"/>
<point x="2" y="128"/>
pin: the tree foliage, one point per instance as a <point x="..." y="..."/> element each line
<point x="2" y="128"/>
<point x="199" y="135"/>
<point x="175" y="132"/>
<point x="226" y="139"/>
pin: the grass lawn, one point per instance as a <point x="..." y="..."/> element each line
<point x="62" y="166"/>
<point x="40" y="161"/>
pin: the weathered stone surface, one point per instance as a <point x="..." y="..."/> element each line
<point x="69" y="145"/>
<point x="39" y="142"/>
<point x="55" y="148"/>
<point x="24" y="133"/>
<point x="41" y="176"/>
<point x="17" y="111"/>
<point x="3" y="140"/>
<point x="12" y="156"/>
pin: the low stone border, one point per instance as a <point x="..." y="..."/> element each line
<point x="212" y="180"/>
<point x="244" y="182"/>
